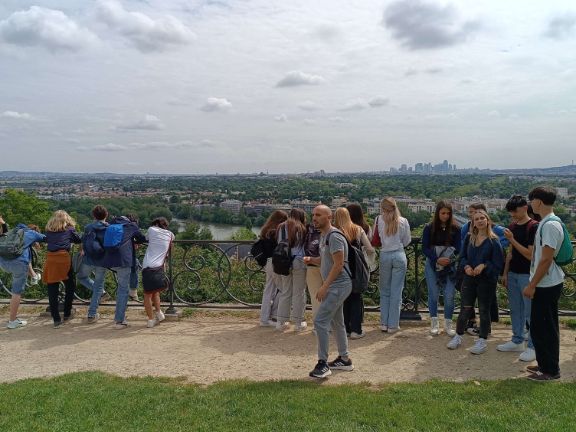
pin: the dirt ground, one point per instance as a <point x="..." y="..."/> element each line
<point x="213" y="346"/>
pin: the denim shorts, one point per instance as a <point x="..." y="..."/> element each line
<point x="19" y="271"/>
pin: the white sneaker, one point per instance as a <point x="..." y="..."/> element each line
<point x="455" y="342"/>
<point x="160" y="316"/>
<point x="479" y="347"/>
<point x="355" y="335"/>
<point x="151" y="323"/>
<point x="301" y="327"/>
<point x="448" y="328"/>
<point x="268" y="323"/>
<point x="511" y="347"/>
<point x="133" y="295"/>
<point x="384" y="328"/>
<point x="17" y="323"/>
<point x="121" y="325"/>
<point x="282" y="326"/>
<point x="529" y="355"/>
<point x="393" y="329"/>
<point x="434" y="326"/>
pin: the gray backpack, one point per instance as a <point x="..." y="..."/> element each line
<point x="12" y="244"/>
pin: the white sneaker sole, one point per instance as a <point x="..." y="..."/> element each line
<point x="324" y="375"/>
<point x="343" y="368"/>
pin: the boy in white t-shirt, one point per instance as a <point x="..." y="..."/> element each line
<point x="545" y="287"/>
<point x="154" y="279"/>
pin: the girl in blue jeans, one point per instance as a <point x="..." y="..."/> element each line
<point x="392" y="235"/>
<point x="441" y="244"/>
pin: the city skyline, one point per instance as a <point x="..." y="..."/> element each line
<point x="203" y="87"/>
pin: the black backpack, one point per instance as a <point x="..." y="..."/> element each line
<point x="262" y="249"/>
<point x="12" y="244"/>
<point x="282" y="256"/>
<point x="357" y="269"/>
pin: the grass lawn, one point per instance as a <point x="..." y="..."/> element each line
<point x="95" y="401"/>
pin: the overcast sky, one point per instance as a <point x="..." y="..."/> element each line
<point x="227" y="86"/>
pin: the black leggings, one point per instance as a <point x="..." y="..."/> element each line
<point x="53" y="291"/>
<point x="473" y="288"/>
<point x="353" y="313"/>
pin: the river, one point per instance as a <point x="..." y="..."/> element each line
<point x="219" y="231"/>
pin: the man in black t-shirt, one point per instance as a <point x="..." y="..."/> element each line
<point x="520" y="233"/>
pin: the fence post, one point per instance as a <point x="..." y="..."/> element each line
<point x="171" y="311"/>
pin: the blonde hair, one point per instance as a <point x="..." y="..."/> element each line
<point x="344" y="223"/>
<point x="60" y="221"/>
<point x="475" y="231"/>
<point x="391" y="215"/>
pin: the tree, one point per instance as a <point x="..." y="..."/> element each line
<point x="195" y="232"/>
<point x="21" y="207"/>
<point x="243" y="234"/>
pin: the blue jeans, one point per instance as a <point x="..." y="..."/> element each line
<point x="96" y="285"/>
<point x="331" y="312"/>
<point x="19" y="271"/>
<point x="392" y="274"/>
<point x="434" y="292"/>
<point x="520" y="306"/>
<point x="123" y="276"/>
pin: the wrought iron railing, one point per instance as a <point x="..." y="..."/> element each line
<point x="206" y="273"/>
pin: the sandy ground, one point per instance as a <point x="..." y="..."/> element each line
<point x="209" y="347"/>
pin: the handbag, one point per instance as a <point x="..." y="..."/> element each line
<point x="376" y="240"/>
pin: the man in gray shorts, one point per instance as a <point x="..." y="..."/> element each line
<point x="336" y="287"/>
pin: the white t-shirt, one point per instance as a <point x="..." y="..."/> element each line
<point x="552" y="236"/>
<point x="397" y="241"/>
<point x="158" y="243"/>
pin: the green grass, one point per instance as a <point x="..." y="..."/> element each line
<point x="97" y="402"/>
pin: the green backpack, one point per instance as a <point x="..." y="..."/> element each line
<point x="12" y="244"/>
<point x="564" y="255"/>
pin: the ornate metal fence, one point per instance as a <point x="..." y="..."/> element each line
<point x="223" y="274"/>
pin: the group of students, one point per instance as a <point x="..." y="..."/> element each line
<point x="104" y="246"/>
<point x="284" y="296"/>
<point x="469" y="259"/>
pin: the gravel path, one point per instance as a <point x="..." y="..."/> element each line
<point x="209" y="347"/>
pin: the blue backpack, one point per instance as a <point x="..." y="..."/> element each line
<point x="113" y="236"/>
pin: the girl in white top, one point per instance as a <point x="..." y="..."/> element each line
<point x="154" y="278"/>
<point x="392" y="234"/>
<point x="354" y="304"/>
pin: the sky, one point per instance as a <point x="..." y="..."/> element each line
<point x="242" y="86"/>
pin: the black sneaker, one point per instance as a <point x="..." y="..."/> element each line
<point x="543" y="377"/>
<point x="321" y="370"/>
<point x="341" y="364"/>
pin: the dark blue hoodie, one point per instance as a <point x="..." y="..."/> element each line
<point x="123" y="256"/>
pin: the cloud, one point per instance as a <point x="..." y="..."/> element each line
<point x="298" y="78"/>
<point x="362" y="104"/>
<point x="109" y="147"/>
<point x="310" y="122"/>
<point x="149" y="122"/>
<point x="327" y="33"/>
<point x="216" y="104"/>
<point x="145" y="33"/>
<point x="16" y="115"/>
<point x="308" y="106"/>
<point x="336" y="119"/>
<point x="46" y="28"/>
<point x="355" y="105"/>
<point x="561" y="26"/>
<point x="378" y="102"/>
<point x="150" y="146"/>
<point x="419" y="24"/>
<point x="283" y="118"/>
